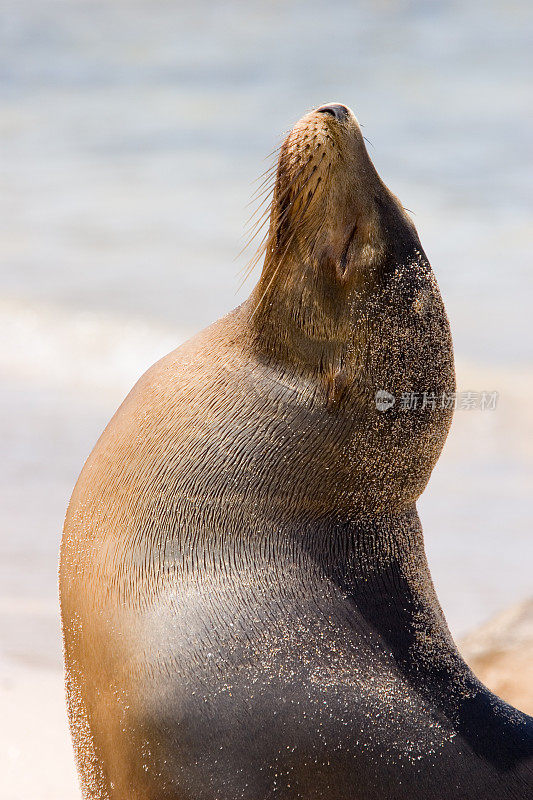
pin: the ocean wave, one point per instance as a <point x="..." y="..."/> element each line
<point x="78" y="350"/>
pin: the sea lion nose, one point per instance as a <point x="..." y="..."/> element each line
<point x="336" y="110"/>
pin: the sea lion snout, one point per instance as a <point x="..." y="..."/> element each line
<point x="337" y="110"/>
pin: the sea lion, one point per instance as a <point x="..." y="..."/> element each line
<point x="247" y="607"/>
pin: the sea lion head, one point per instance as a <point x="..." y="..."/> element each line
<point x="347" y="302"/>
<point x="324" y="210"/>
<point x="333" y="223"/>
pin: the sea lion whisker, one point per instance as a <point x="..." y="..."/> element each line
<point x="265" y="178"/>
<point x="252" y="223"/>
<point x="258" y="224"/>
<point x="264" y="193"/>
<point x="286" y="211"/>
<point x="275" y="272"/>
<point x="261" y="221"/>
<point x="250" y="266"/>
<point x="276" y="150"/>
<point x="271" y="180"/>
<point x="265" y="186"/>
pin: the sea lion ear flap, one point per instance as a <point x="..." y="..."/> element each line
<point x="343" y="262"/>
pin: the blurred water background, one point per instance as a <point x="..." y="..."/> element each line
<point x="130" y="137"/>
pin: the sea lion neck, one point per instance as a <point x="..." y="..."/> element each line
<point x="308" y="328"/>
